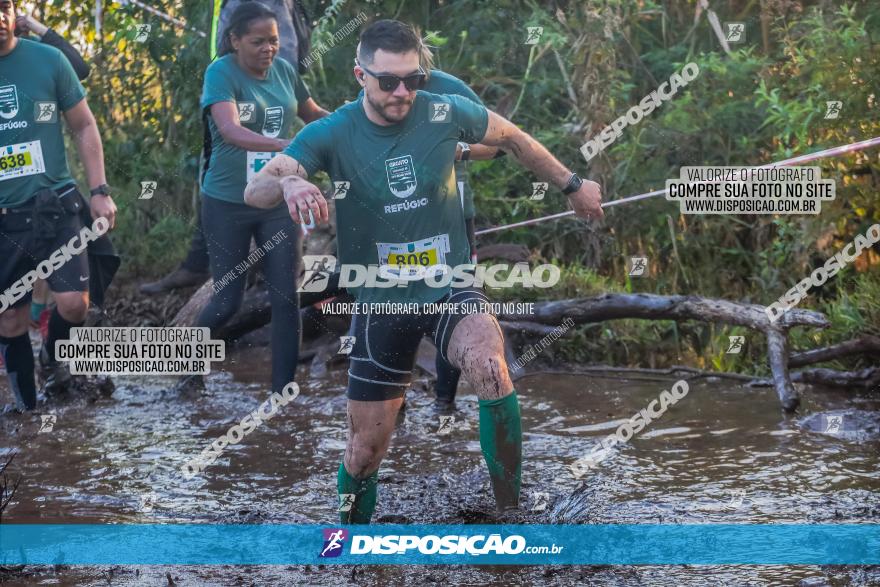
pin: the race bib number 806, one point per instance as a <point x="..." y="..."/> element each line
<point x="411" y="260"/>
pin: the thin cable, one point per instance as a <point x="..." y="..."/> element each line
<point x="832" y="152"/>
<point x="166" y="17"/>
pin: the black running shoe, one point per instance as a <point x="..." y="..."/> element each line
<point x="55" y="374"/>
<point x="444" y="406"/>
<point x="190" y="384"/>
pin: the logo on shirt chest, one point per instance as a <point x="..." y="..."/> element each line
<point x="273" y="121"/>
<point x="8" y="102"/>
<point x="401" y="176"/>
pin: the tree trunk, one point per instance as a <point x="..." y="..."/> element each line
<point x="655" y="307"/>
<point x="255" y="313"/>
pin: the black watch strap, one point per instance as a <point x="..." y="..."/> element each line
<point x="102" y="189"/>
<point x="573" y="185"/>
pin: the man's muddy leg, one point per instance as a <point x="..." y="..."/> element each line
<point x="15" y="346"/>
<point x="477" y="348"/>
<point x="370" y="424"/>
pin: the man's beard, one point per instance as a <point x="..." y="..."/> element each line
<point x="380" y="109"/>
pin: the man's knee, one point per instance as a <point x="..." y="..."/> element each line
<point x="73" y="306"/>
<point x="487" y="372"/>
<point x="371" y="424"/>
<point x="363" y="459"/>
<point x="14" y="321"/>
<point x="477" y="348"/>
<point x="475" y="334"/>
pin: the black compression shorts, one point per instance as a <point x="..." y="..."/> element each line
<point x="385" y="346"/>
<point x="21" y="251"/>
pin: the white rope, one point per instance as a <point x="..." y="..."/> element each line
<point x="833" y="152"/>
<point x="162" y="15"/>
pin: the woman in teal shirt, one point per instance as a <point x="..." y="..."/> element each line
<point x="251" y="97"/>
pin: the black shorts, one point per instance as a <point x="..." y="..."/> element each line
<point x="21" y="251"/>
<point x="385" y="346"/>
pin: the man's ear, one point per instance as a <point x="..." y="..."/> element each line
<point x="360" y="76"/>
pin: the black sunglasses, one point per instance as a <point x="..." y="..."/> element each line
<point x="389" y="83"/>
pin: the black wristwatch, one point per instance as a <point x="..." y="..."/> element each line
<point x="465" y="151"/>
<point x="101" y="190"/>
<point x="573" y="185"/>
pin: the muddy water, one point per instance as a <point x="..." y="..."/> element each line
<point x="724" y="453"/>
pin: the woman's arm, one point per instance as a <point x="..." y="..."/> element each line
<point x="309" y="111"/>
<point x="28" y="23"/>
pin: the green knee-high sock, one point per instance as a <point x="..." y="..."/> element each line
<point x="364" y="491"/>
<point x="501" y="441"/>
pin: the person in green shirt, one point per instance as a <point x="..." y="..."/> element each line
<point x="251" y="96"/>
<point x="394" y="148"/>
<point x="441" y="82"/>
<point x="28" y="27"/>
<point x="40" y="202"/>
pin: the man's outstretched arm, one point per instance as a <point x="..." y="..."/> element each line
<point x="535" y="157"/>
<point x="283" y="178"/>
<point x="264" y="189"/>
<point x="479" y="152"/>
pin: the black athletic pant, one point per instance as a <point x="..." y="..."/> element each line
<point x="228" y="229"/>
<point x="197" y="256"/>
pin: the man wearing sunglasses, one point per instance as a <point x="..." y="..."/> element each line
<point x="440" y="82"/>
<point x="396" y="147"/>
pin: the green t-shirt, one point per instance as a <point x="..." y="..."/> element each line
<point x="441" y="82"/>
<point x="37" y="84"/>
<point x="401" y="205"/>
<point x="267" y="106"/>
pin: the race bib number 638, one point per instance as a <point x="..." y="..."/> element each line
<point x="21" y="160"/>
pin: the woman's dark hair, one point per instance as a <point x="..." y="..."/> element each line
<point x="240" y="22"/>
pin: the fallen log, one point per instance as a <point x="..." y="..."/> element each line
<point x="507" y="252"/>
<point x="548" y="315"/>
<point x="867" y="345"/>
<point x="520" y="327"/>
<point x="657" y="307"/>
<point x="868" y="378"/>
<point x="642" y="373"/>
<point x="255" y="311"/>
<point x="777" y="354"/>
<point x="679" y="308"/>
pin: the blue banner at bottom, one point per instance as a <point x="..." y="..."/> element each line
<point x="636" y="544"/>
